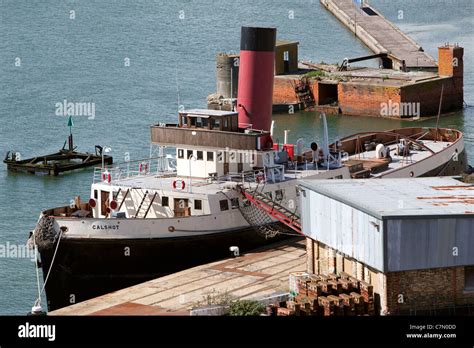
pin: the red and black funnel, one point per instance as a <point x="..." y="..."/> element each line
<point x="256" y="72"/>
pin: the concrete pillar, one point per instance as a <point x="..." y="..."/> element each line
<point x="354" y="268"/>
<point x="309" y="255"/>
<point x="366" y="275"/>
<point x="383" y="294"/>
<point x="339" y="263"/>
<point x="227" y="75"/>
<point x="331" y="260"/>
<point x="317" y="268"/>
<point x="360" y="271"/>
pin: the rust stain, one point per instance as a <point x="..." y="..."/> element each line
<point x="131" y="308"/>
<point x="448" y="197"/>
<point x="454" y="187"/>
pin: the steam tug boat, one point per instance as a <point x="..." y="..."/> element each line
<point x="211" y="187"/>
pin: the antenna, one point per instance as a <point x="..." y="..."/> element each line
<point x="177" y="88"/>
<point x="439" y="111"/>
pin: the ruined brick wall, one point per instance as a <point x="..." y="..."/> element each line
<point x="426" y="289"/>
<point x="428" y="95"/>
<point x="360" y="99"/>
<point x="284" y="91"/>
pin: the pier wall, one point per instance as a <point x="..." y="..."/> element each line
<point x="428" y="94"/>
<point x="284" y="91"/>
<point x="362" y="99"/>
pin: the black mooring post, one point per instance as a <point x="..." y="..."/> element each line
<point x="71" y="143"/>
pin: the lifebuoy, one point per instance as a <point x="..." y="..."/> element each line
<point x="179" y="184"/>
<point x="106" y="177"/>
<point x="171" y="229"/>
<point x="143" y="167"/>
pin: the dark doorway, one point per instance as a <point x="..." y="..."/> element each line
<point x="327" y="93"/>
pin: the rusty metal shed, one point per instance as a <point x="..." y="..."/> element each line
<point x="393" y="224"/>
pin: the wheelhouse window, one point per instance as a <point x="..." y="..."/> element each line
<point x="199" y="155"/>
<point x="165" y="202"/>
<point x="190" y="153"/>
<point x="199" y="122"/>
<point x="197" y="204"/>
<point x="180" y="153"/>
<point x="224" y="204"/>
<point x="210" y="156"/>
<point x="205" y="122"/>
<point x="234" y="203"/>
<point x="193" y="121"/>
<point x="217" y="124"/>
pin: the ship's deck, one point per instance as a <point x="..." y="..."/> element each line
<point x="400" y="161"/>
<point x="204" y="186"/>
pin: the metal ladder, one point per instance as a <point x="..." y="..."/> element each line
<point x="142" y="213"/>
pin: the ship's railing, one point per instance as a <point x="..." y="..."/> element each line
<point x="156" y="166"/>
<point x="272" y="174"/>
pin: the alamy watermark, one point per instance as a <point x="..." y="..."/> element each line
<point x="395" y="109"/>
<point x="17" y="251"/>
<point x="67" y="108"/>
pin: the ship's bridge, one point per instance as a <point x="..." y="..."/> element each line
<point x="210" y="143"/>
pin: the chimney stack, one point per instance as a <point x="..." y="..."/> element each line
<point x="256" y="73"/>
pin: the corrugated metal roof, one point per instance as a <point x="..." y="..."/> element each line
<point x="400" y="197"/>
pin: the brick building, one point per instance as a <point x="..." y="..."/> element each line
<point x="411" y="239"/>
<point x="362" y="91"/>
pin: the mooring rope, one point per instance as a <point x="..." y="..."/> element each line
<point x="38" y="301"/>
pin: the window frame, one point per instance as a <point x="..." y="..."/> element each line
<point x="224" y="204"/>
<point x="196" y="205"/>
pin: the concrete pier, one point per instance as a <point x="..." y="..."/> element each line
<point x="254" y="275"/>
<point x="380" y="35"/>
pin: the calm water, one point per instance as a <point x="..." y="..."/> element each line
<point x="83" y="60"/>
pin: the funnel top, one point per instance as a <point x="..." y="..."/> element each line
<point x="258" y="39"/>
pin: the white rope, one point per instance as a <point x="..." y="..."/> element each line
<point x="50" y="267"/>
<point x="38" y="300"/>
